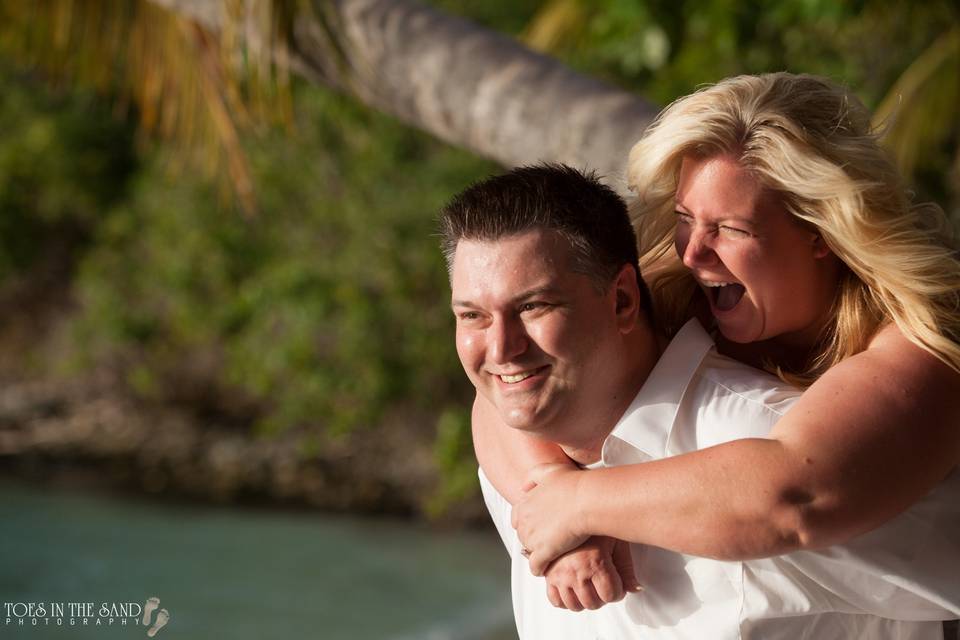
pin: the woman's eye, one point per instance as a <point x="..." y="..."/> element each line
<point x="684" y="218"/>
<point x="734" y="232"/>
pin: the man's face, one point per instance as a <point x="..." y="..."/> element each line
<point x="535" y="338"/>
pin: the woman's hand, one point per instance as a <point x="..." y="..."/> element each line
<point x="545" y="517"/>
<point x="598" y="572"/>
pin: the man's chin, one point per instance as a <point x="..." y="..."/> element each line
<point x="525" y="421"/>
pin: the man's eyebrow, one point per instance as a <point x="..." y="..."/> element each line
<point x="545" y="290"/>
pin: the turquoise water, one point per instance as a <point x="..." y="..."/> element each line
<point x="242" y="573"/>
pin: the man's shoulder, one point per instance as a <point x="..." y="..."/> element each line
<point x="695" y="397"/>
<point x="720" y="376"/>
<point x="692" y="367"/>
<point x="725" y="400"/>
<point x="500" y="511"/>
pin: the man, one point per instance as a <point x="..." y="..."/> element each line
<point x="553" y="333"/>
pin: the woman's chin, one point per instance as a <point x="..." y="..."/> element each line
<point x="737" y="337"/>
<point x="738" y="330"/>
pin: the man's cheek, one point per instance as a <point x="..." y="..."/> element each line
<point x="464" y="344"/>
<point x="470" y="359"/>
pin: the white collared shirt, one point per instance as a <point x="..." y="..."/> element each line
<point x="895" y="582"/>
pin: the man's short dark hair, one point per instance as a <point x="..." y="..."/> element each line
<point x="576" y="205"/>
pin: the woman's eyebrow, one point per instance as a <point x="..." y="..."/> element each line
<point x="722" y="218"/>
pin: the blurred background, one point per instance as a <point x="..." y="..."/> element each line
<point x="227" y="373"/>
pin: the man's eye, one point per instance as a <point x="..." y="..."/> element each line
<point x="468" y="315"/>
<point x="531" y="306"/>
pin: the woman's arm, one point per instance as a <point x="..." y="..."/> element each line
<point x="874" y="435"/>
<point x="506" y="454"/>
<point x="593" y="572"/>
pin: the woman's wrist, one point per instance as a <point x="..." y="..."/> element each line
<point x="581" y="505"/>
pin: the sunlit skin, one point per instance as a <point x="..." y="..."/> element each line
<point x="536" y="339"/>
<point x="730" y="229"/>
<point x="582" y="352"/>
<point x="868" y="439"/>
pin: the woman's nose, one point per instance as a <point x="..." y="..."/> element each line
<point x="695" y="248"/>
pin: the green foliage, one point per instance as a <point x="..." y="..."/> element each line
<point x="453" y="452"/>
<point x="327" y="309"/>
<point x="63" y="161"/>
<point x="664" y="49"/>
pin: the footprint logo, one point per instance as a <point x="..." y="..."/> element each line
<point x="148" y="608"/>
<point x="163" y="616"/>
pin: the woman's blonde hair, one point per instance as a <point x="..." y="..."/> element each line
<point x="811" y="141"/>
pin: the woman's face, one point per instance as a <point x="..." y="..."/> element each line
<point x="765" y="275"/>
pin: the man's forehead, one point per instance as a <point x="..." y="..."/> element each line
<point x="537" y="249"/>
<point x="511" y="264"/>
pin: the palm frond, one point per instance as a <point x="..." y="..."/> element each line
<point x="189" y="84"/>
<point x="920" y="109"/>
<point x="555" y="24"/>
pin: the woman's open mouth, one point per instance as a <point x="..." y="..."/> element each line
<point x="724" y="296"/>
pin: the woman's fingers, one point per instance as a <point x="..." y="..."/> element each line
<point x="539" y="562"/>
<point x="539" y="473"/>
<point x="537" y="519"/>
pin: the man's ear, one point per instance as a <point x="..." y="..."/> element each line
<point x="627" y="296"/>
<point x="820" y="248"/>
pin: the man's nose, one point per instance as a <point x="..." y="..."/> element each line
<point x="506" y="339"/>
<point x="696" y="248"/>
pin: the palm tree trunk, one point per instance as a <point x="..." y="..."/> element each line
<point x="465" y="84"/>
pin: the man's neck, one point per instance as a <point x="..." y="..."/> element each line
<point x="642" y="350"/>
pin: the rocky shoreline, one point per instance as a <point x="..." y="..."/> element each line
<point x="89" y="431"/>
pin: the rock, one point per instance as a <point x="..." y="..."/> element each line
<point x="79" y="427"/>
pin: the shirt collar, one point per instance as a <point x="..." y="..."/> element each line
<point x="648" y="421"/>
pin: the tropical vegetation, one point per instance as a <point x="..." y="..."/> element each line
<point x="230" y="226"/>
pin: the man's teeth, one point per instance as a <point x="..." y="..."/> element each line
<point x="517" y="377"/>
<point x="715" y="284"/>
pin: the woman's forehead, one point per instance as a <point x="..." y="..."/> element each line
<point x="719" y="184"/>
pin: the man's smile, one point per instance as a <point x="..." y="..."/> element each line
<point x="514" y="378"/>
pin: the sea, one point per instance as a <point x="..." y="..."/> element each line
<point x="80" y="564"/>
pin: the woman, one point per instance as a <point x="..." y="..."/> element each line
<point x="790" y="220"/>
